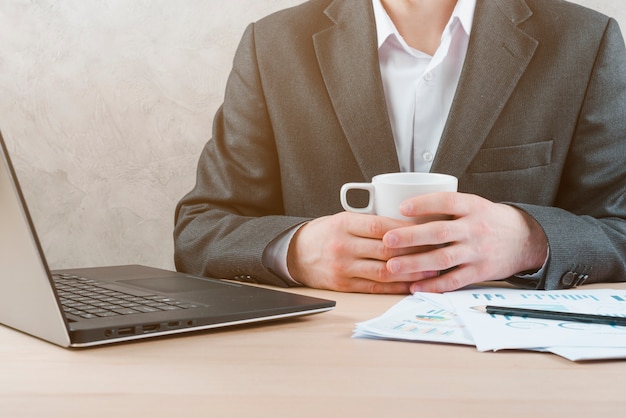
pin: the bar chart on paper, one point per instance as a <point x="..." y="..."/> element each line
<point x="416" y="319"/>
<point x="432" y="322"/>
<point x="604" y="302"/>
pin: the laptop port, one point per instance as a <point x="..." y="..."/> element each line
<point x="122" y="332"/>
<point x="150" y="328"/>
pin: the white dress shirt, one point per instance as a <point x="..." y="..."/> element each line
<point x="420" y="88"/>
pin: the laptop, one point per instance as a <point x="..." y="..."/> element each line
<point x="99" y="305"/>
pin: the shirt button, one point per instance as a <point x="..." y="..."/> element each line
<point x="428" y="76"/>
<point x="428" y="156"/>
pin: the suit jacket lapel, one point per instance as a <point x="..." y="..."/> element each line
<point x="348" y="59"/>
<point x="497" y="56"/>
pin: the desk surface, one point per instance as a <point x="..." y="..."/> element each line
<point x="300" y="368"/>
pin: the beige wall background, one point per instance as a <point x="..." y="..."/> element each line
<point x="105" y="106"/>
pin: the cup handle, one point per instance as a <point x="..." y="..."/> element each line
<point x="369" y="187"/>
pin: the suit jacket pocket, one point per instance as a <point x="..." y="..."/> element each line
<point x="516" y="157"/>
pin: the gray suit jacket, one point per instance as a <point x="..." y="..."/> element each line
<point x="538" y="121"/>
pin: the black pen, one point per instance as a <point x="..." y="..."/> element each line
<point x="559" y="316"/>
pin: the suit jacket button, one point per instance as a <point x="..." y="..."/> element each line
<point x="573" y="279"/>
<point x="568" y="279"/>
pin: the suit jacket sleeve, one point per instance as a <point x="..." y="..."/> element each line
<point x="586" y="226"/>
<point x="236" y="208"/>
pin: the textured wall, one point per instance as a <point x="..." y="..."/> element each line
<point x="106" y="104"/>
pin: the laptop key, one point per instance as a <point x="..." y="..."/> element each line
<point x="106" y="314"/>
<point x="146" y="309"/>
<point x="125" y="311"/>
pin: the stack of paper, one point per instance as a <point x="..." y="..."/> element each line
<point x="450" y="318"/>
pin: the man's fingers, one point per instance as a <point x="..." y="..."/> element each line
<point x="451" y="280"/>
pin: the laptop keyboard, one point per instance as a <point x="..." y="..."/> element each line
<point x="88" y="298"/>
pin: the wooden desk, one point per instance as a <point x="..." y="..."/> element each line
<point x="309" y="367"/>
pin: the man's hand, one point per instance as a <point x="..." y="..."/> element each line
<point x="345" y="252"/>
<point x="483" y="241"/>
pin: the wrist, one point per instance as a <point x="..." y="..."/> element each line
<point x="535" y="247"/>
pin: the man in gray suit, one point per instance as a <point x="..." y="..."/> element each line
<point x="523" y="100"/>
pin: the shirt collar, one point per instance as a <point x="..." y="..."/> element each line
<point x="463" y="11"/>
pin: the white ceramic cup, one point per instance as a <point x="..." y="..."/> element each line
<point x="388" y="191"/>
